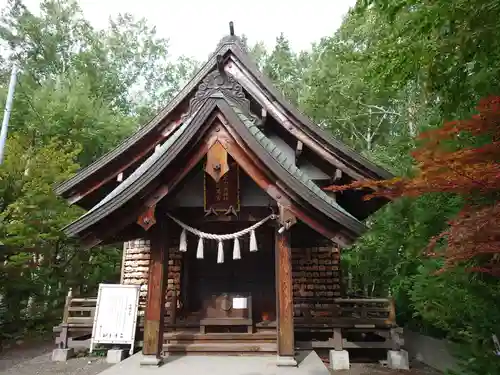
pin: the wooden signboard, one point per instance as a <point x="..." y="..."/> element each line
<point x="223" y="195"/>
<point x="115" y="315"/>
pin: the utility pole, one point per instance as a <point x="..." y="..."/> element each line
<point x="8" y="109"/>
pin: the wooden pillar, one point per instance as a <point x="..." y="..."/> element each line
<point x="284" y="304"/>
<point x="154" y="318"/>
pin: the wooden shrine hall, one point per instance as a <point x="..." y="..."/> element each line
<point x="226" y="226"/>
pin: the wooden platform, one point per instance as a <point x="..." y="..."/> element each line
<point x="220" y="343"/>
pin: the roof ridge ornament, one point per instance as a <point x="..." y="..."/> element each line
<point x="219" y="84"/>
<point x="232" y="38"/>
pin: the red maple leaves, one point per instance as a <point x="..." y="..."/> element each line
<point x="461" y="157"/>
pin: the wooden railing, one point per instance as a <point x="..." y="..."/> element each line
<point x="78" y="316"/>
<point x="375" y="318"/>
<point x="349" y="312"/>
<point x="367" y="309"/>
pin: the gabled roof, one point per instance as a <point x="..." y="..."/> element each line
<point x="236" y="110"/>
<point x="306" y="188"/>
<point x="228" y="45"/>
<point x="326" y="138"/>
<point x="143" y="175"/>
<point x="86" y="172"/>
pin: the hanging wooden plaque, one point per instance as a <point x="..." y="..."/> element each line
<point x="224" y="195"/>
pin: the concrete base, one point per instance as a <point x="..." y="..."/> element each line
<point x="283" y="361"/>
<point x="62" y="355"/>
<point x="116" y="355"/>
<point x="151" y="360"/>
<point x="309" y="364"/>
<point x="398" y="359"/>
<point x="339" y="360"/>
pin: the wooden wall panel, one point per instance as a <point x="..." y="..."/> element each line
<point x="316" y="280"/>
<point x="136" y="267"/>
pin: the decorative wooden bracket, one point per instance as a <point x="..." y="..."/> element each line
<point x="220" y="64"/>
<point x="298" y="151"/>
<point x="231" y="211"/>
<point x="211" y="211"/>
<point x="338" y="175"/>
<point x="217" y="164"/>
<point x="341" y="240"/>
<point x="286" y="219"/>
<point x="263" y="117"/>
<point x="147" y="218"/>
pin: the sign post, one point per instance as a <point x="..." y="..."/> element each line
<point x="115" y="317"/>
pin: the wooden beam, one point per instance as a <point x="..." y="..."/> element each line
<point x="298" y="151"/>
<point x="284" y="305"/>
<point x="336" y="341"/>
<point x="155" y="305"/>
<point x="124" y="256"/>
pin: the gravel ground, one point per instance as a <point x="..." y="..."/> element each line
<point x="36" y="360"/>
<point x="377" y="369"/>
<point x="42" y="365"/>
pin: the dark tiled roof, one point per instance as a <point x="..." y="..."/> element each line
<point x="284" y="161"/>
<point x="280" y="165"/>
<point x="228" y="44"/>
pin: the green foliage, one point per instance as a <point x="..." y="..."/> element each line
<point x="285" y="69"/>
<point x="393" y="69"/>
<point x="452" y="47"/>
<point x="80" y="92"/>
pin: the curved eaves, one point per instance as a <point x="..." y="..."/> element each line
<point x="327" y="138"/>
<point x="86" y="172"/>
<point x="146" y="173"/>
<point x="285" y="170"/>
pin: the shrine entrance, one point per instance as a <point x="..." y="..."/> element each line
<point x="251" y="276"/>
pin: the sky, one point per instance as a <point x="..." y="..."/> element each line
<point x="194" y="27"/>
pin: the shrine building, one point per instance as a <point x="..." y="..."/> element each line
<point x="219" y="200"/>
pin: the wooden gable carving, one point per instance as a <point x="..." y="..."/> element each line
<point x="217" y="165"/>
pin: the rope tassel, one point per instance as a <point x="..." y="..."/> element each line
<point x="220" y="253"/>
<point x="220" y="238"/>
<point x="183" y="241"/>
<point x="236" y="249"/>
<point x="253" y="241"/>
<point x="199" y="250"/>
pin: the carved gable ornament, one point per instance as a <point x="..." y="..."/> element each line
<point x="216" y="84"/>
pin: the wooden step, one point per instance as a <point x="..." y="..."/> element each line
<point x="222" y="348"/>
<point x="171" y="337"/>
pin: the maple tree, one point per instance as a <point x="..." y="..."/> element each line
<point x="461" y="157"/>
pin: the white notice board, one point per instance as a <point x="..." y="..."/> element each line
<point x="115" y="315"/>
